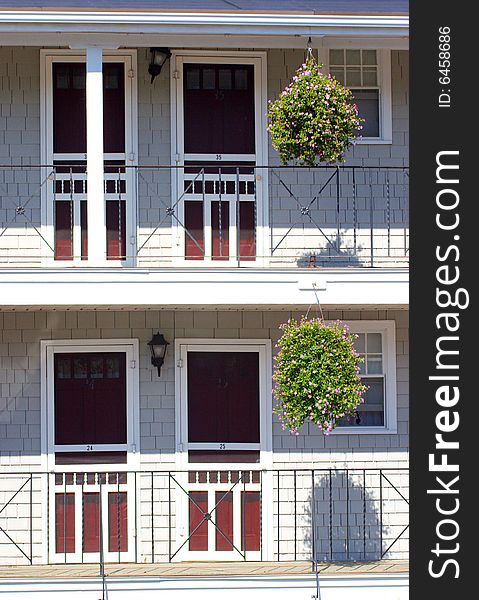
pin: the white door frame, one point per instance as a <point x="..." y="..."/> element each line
<point x="259" y="60"/>
<point x="48" y="349"/>
<point x="47" y="157"/>
<point x="263" y="347"/>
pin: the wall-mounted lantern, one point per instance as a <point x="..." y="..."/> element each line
<point x="158" y="346"/>
<point x="158" y="58"/>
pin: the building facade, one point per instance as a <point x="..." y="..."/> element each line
<point x="132" y="204"/>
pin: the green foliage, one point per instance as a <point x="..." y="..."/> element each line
<point x="314" y="119"/>
<point x="316" y="374"/>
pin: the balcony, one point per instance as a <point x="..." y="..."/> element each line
<point x="150" y="517"/>
<point x="206" y="216"/>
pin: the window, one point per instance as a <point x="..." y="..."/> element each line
<point x="376" y="345"/>
<point x="368" y="74"/>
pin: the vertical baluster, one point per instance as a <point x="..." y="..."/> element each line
<point x="380" y="513"/>
<point x="152" y="524"/>
<point x="278" y="517"/>
<point x="118" y="516"/>
<point x="238" y="230"/>
<point x="120" y="224"/>
<point x="31" y="519"/>
<point x="169" y="516"/>
<point x="364" y="514"/>
<point x="355" y="211"/>
<point x="71" y="214"/>
<point x="347" y="514"/>
<point x="220" y="224"/>
<point x="388" y="211"/>
<point x="330" y="515"/>
<point x="371" y="217"/>
<point x="338" y="197"/>
<point x="295" y="514"/>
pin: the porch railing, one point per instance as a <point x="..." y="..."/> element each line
<point x="215" y="215"/>
<point x="245" y="514"/>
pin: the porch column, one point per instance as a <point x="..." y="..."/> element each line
<point x="94" y="134"/>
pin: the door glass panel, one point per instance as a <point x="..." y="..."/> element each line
<point x="219" y="114"/>
<point x="224" y="384"/>
<point x="89" y="409"/>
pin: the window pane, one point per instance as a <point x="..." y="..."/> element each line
<point x="336" y="57"/>
<point x="353" y="76"/>
<point x="338" y="74"/>
<point x="371" y="412"/>
<point x="374" y="343"/>
<point x="353" y="57"/>
<point x="225" y="79"/>
<point x="209" y="79"/>
<point x="193" y="79"/>
<point x="241" y="79"/>
<point x="367" y="102"/>
<point x="194" y="240"/>
<point x="375" y="365"/>
<point x="369" y="57"/>
<point x="360" y="343"/>
<point x="370" y="76"/>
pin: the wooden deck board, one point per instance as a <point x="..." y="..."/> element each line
<point x="204" y="569"/>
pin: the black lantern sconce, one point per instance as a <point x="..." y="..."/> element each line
<point x="158" y="346"/>
<point x="158" y="58"/>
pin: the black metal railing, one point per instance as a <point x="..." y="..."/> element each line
<point x="215" y="215"/>
<point x="244" y="514"/>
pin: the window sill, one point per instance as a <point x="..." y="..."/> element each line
<point x="373" y="141"/>
<point x="364" y="431"/>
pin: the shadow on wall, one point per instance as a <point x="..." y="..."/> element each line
<point x="330" y="254"/>
<point x="358" y="515"/>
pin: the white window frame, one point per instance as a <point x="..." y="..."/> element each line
<point x="129" y="59"/>
<point x="263" y="347"/>
<point x="387" y="329"/>
<point x="259" y="60"/>
<point x="51" y="347"/>
<point x="385" y="92"/>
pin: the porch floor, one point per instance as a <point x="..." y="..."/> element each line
<point x="205" y="569"/>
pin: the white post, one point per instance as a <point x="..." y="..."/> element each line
<point x="94" y="134"/>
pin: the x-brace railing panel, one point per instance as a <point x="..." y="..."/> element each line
<point x="27" y="485"/>
<point x="209" y="516"/>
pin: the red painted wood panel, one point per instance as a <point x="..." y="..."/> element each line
<point x="247" y="231"/>
<point x="223" y="517"/>
<point x="198" y="504"/>
<point x="194" y="236"/>
<point x="250" y="521"/>
<point x="91" y="522"/>
<point x="65" y="523"/>
<point x="117" y="522"/>
<point x="84" y="229"/>
<point x="63" y="230"/>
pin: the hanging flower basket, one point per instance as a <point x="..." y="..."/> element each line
<point x="316" y="374"/>
<point x="314" y="119"/>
